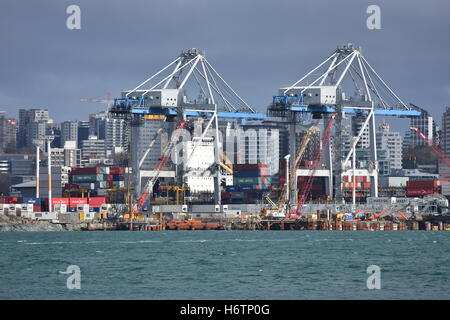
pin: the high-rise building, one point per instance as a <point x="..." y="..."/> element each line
<point x="8" y="132"/>
<point x="357" y="123"/>
<point x="83" y="131"/>
<point x="26" y="117"/>
<point x="142" y="136"/>
<point x="36" y="130"/>
<point x="69" y="131"/>
<point x="445" y="139"/>
<point x="69" y="156"/>
<point x="116" y="135"/>
<point x="97" y="125"/>
<point x="257" y="143"/>
<point x="92" y="150"/>
<point x="392" y="141"/>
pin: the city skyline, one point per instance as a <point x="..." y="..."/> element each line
<point x="99" y="53"/>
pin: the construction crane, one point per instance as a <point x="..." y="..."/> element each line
<point x="280" y="206"/>
<point x="163" y="160"/>
<point x="438" y="151"/>
<point x="108" y="99"/>
<point x="226" y="166"/>
<point x="307" y="188"/>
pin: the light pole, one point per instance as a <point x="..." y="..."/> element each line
<point x="38" y="143"/>
<point x="287" y="181"/>
<point x="49" y="139"/>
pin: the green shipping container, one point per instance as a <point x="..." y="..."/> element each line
<point x="242" y="181"/>
<point x="88" y="178"/>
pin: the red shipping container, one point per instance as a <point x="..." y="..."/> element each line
<point x="97" y="201"/>
<point x="12" y="200"/>
<point x="412" y="192"/>
<point x="60" y="201"/>
<point x="109" y="177"/>
<point x="90" y="170"/>
<point x="117" y="170"/>
<point x="76" y="201"/>
<point x="3" y="200"/>
<point x="255" y="166"/>
<point x="422" y="184"/>
<point x="37" y="208"/>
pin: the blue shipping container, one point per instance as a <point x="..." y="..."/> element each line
<point x="247" y="173"/>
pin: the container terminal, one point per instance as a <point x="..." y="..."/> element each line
<point x="200" y="158"/>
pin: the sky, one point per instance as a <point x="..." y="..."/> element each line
<point x="256" y="45"/>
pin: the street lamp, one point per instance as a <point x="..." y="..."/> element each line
<point x="39" y="144"/>
<point x="287" y="179"/>
<point x="49" y="139"/>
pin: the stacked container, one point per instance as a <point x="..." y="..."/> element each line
<point x="99" y="179"/>
<point x="251" y="175"/>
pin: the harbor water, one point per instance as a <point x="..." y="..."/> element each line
<point x="225" y="264"/>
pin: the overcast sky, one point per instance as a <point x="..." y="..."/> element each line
<point x="257" y="45"/>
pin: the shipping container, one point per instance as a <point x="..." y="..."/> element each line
<point x="118" y="177"/>
<point x="88" y="177"/>
<point x="250" y="173"/>
<point x="13" y="200"/>
<point x="84" y="171"/>
<point x="97" y="201"/>
<point x="60" y="201"/>
<point x="116" y="170"/>
<point x="36" y="201"/>
<point x="73" y="202"/>
<point x="256" y="166"/>
<point x="87" y="185"/>
<point x="422" y="184"/>
<point x="252" y="180"/>
<point x="104" y="170"/>
<point x="412" y="192"/>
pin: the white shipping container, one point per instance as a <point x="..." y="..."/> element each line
<point x="61" y="208"/>
<point x="45" y="215"/>
<point x="83" y="208"/>
<point x="445" y="188"/>
<point x="381" y="200"/>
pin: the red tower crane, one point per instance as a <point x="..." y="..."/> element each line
<point x="307" y="187"/>
<point x="438" y="151"/>
<point x="162" y="161"/>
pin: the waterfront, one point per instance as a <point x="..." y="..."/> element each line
<point x="225" y="264"/>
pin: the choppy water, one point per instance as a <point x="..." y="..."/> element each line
<point x="225" y="264"/>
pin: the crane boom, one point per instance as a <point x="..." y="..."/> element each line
<point x="307" y="188"/>
<point x="300" y="151"/>
<point x="163" y="160"/>
<point x="438" y="151"/>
